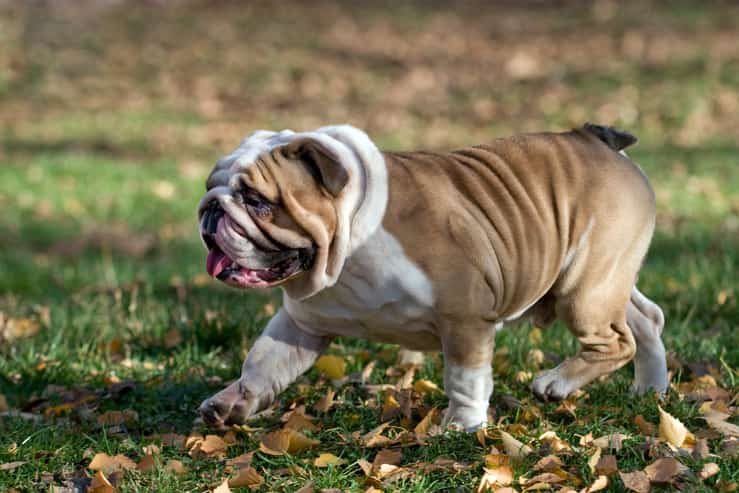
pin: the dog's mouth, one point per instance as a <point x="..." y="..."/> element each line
<point x="273" y="269"/>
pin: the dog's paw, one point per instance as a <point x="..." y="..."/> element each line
<point x="550" y="385"/>
<point x="232" y="405"/>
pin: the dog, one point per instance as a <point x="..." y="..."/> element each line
<point x="435" y="251"/>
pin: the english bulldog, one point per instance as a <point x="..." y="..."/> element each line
<point x="435" y="251"/>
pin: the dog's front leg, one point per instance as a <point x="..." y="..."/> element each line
<point x="468" y="377"/>
<point x="280" y="355"/>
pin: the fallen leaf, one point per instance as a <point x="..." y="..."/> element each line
<point x="513" y="448"/>
<point x="365" y="466"/>
<point x="300" y="422"/>
<point x="555" y="443"/>
<point x="545" y="477"/>
<point x="594" y="459"/>
<point x="285" y="441"/>
<point x="241" y="461"/>
<point x="426" y="387"/>
<point x="172" y="338"/>
<point x="247" y="476"/>
<point x="307" y="487"/>
<point x="100" y="484"/>
<point x="422" y="428"/>
<point x="548" y="463"/>
<point x="607" y="465"/>
<point x="334" y="367"/>
<point x="406" y="381"/>
<point x="326" y="402"/>
<point x="671" y="429"/>
<point x="172" y="440"/>
<point x="645" y="427"/>
<point x="636" y="481"/>
<point x="613" y="441"/>
<point x="113" y="418"/>
<point x="374" y="438"/>
<point x="325" y="460"/>
<point x="3" y="403"/>
<point x="600" y="483"/>
<point x="222" y="488"/>
<point x="387" y="456"/>
<point x="664" y="470"/>
<point x="210" y="446"/>
<point x="147" y="463"/>
<point x="493" y="478"/>
<point x="723" y="427"/>
<point x="9" y="466"/>
<point x="390" y="408"/>
<point x="708" y="470"/>
<point x="175" y="466"/>
<point x="107" y="464"/>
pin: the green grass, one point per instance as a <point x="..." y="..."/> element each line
<point x="105" y="146"/>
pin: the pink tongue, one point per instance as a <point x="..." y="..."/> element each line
<point x="217" y="261"/>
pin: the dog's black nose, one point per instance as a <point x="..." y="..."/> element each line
<point x="211" y="216"/>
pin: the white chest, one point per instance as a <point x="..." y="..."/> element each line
<point x="380" y="295"/>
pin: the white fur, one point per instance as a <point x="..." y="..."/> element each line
<point x="469" y="391"/>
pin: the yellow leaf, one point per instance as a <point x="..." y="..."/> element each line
<point x="390" y="408"/>
<point x="334" y="367"/>
<point x="422" y="428"/>
<point x="325" y="460"/>
<point x="513" y="448"/>
<point x="671" y="429"/>
<point x="246" y="477"/>
<point x="275" y="443"/>
<point x="107" y="464"/>
<point x="100" y="484"/>
<point x="300" y="422"/>
<point x="299" y="442"/>
<point x="423" y="386"/>
<point x="210" y="446"/>
<point x="593" y="461"/>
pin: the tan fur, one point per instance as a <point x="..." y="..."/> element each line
<point x="545" y="226"/>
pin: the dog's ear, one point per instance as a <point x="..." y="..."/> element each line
<point x="322" y="163"/>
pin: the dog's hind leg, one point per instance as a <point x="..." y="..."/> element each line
<point x="645" y="319"/>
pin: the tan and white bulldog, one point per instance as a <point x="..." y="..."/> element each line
<point x="435" y="251"/>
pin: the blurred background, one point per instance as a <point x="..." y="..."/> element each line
<point x="113" y="112"/>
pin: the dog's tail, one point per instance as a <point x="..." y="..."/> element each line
<point x="613" y="138"/>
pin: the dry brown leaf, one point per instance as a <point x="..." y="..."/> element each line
<point x="422" y="428"/>
<point x="241" y="461"/>
<point x="299" y="442"/>
<point x="607" y="465"/>
<point x="300" y="422"/>
<point x="548" y="463"/>
<point x="114" y="418"/>
<point x="613" y="441"/>
<point x="664" y="470"/>
<point x="513" y="448"/>
<point x="387" y="456"/>
<point x="285" y="441"/>
<point x="107" y="464"/>
<point x="374" y="438"/>
<point x="100" y="484"/>
<point x="307" y="487"/>
<point x="555" y="443"/>
<point x="671" y="429"/>
<point x="147" y="463"/>
<point x="175" y="466"/>
<point x="210" y="446"/>
<point x="423" y="386"/>
<point x="708" y="470"/>
<point x="3" y="403"/>
<point x="365" y="466"/>
<point x="9" y="466"/>
<point x="172" y="338"/>
<point x="172" y="440"/>
<point x="545" y="477"/>
<point x="600" y="483"/>
<point x="406" y="381"/>
<point x="723" y="427"/>
<point x="325" y="460"/>
<point x="334" y="367"/>
<point x="326" y="402"/>
<point x="223" y="487"/>
<point x="247" y="476"/>
<point x="493" y="478"/>
<point x="636" y="481"/>
<point x="645" y="427"/>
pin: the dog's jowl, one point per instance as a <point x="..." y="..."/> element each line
<point x="433" y="251"/>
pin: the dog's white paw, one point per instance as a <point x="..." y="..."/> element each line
<point x="232" y="405"/>
<point x="550" y="385"/>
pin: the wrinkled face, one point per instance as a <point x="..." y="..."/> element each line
<point x="264" y="222"/>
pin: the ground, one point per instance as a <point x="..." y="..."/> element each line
<point x="113" y="114"/>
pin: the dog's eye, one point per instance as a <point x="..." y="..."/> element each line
<point x="257" y="204"/>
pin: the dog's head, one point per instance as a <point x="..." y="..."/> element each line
<point x="289" y="208"/>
